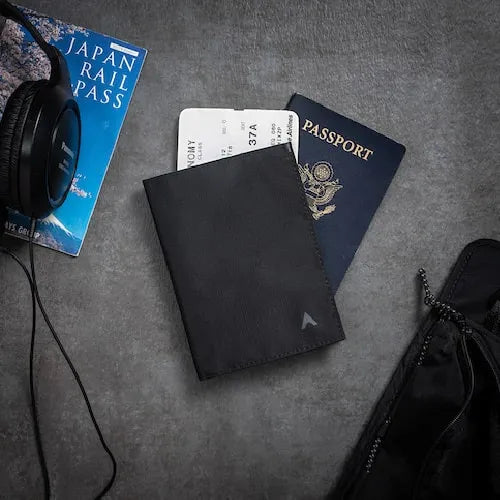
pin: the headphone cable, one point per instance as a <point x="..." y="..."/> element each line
<point x="34" y="407"/>
<point x="35" y="296"/>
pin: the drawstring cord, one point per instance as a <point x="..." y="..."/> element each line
<point x="447" y="313"/>
<point x="444" y="310"/>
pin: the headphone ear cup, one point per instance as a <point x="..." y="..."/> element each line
<point x="11" y="136"/>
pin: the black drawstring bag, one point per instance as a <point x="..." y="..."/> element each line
<point x="435" y="432"/>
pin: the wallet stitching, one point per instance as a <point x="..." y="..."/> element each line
<point x="246" y="364"/>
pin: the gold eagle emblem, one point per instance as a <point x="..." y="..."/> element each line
<point x="320" y="186"/>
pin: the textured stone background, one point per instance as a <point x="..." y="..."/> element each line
<point x="422" y="72"/>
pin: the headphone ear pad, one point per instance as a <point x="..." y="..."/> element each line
<point x="11" y="136"/>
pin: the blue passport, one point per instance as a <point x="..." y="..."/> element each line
<point x="346" y="169"/>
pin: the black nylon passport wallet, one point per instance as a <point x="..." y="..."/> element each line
<point x="237" y="236"/>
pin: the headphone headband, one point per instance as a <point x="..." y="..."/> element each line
<point x="59" y="70"/>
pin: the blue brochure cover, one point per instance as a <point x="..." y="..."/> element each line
<point x="346" y="169"/>
<point x="103" y="72"/>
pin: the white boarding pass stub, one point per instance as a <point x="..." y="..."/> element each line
<point x="208" y="134"/>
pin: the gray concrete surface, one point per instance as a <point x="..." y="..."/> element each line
<point x="425" y="73"/>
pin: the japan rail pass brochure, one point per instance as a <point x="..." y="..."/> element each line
<point x="104" y="72"/>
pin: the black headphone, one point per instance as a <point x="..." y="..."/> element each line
<point x="39" y="135"/>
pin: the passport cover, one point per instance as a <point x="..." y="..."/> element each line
<point x="237" y="237"/>
<point x="346" y="169"/>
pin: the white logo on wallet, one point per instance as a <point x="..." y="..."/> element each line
<point x="308" y="320"/>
